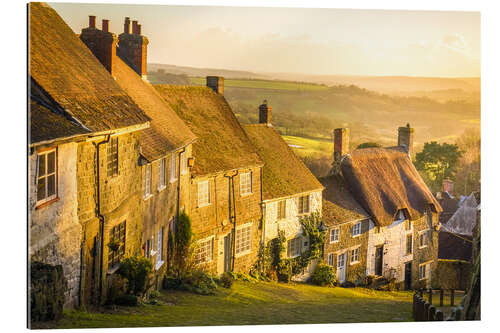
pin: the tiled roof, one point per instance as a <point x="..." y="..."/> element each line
<point x="222" y="145"/>
<point x="284" y="173"/>
<point x="66" y="69"/>
<point x="167" y="132"/>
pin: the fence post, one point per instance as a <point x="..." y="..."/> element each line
<point x="458" y="312"/>
<point x="430" y="296"/>
<point x="421" y="292"/>
<point x="419" y="308"/>
<point x="426" y="311"/>
<point x="439" y="315"/>
<point x="414" y="312"/>
<point x="432" y="313"/>
<point x="452" y="297"/>
<point x="441" y="297"/>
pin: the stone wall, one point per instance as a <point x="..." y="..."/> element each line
<point x="121" y="198"/>
<point x="54" y="232"/>
<point x="355" y="272"/>
<point x="428" y="253"/>
<point x="213" y="219"/>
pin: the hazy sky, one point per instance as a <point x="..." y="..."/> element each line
<point x="297" y="40"/>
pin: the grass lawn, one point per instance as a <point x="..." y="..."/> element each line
<point x="309" y="146"/>
<point x="264" y="84"/>
<point x="250" y="303"/>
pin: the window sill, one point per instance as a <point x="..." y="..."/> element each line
<point x="46" y="203"/>
<point x="335" y="241"/>
<point x="246" y="194"/>
<point x="241" y="254"/>
<point x="159" y="264"/>
<point x="422" y="247"/>
<point x="204" y="205"/>
<point x="355" y="236"/>
<point x="354" y="262"/>
<point x="113" y="269"/>
<point x="173" y="180"/>
<point x="148" y="196"/>
<point x="161" y="188"/>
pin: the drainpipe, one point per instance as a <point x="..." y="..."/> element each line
<point x="99" y="215"/>
<point x="263" y="218"/>
<point x="232" y="214"/>
<point x="179" y="184"/>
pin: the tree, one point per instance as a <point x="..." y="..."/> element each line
<point x="468" y="177"/>
<point x="436" y="162"/>
<point x="180" y="249"/>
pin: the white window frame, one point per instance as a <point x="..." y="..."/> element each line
<point x="426" y="269"/>
<point x="412" y="244"/>
<point x="337" y="234"/>
<point x="162" y="174"/>
<point x="239" y="231"/>
<point x="278" y="210"/>
<point x="300" y="204"/>
<point x="200" y="244"/>
<point x="110" y="152"/>
<point x="201" y="195"/>
<point x="424" y="233"/>
<point x="295" y="242"/>
<point x="148" y="180"/>
<point x="331" y="259"/>
<point x="246" y="183"/>
<point x="46" y="176"/>
<point x="354" y="253"/>
<point x="173" y="168"/>
<point x="356" y="229"/>
<point x="159" y="248"/>
<point x="183" y="163"/>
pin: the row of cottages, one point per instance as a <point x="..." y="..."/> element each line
<point x="382" y="219"/>
<point x="108" y="156"/>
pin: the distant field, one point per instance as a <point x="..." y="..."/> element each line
<point x="264" y="84"/>
<point x="305" y="146"/>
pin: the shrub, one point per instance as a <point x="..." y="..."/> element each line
<point x="348" y="284"/>
<point x="172" y="282"/>
<point x="47" y="288"/>
<point x="284" y="271"/>
<point x="200" y="282"/>
<point x="118" y="287"/>
<point x="226" y="280"/>
<point x="369" y="280"/>
<point x="137" y="271"/>
<point x="323" y="275"/>
<point x="126" y="300"/>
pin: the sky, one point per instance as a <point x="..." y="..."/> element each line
<point x="299" y="40"/>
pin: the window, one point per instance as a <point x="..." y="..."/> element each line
<point x="203" y="193"/>
<point x="243" y="239"/>
<point x="116" y="245"/>
<point x="409" y="244"/>
<point x="147" y="181"/>
<point x="356" y="229"/>
<point x="294" y="247"/>
<point x="112" y="157"/>
<point x="281" y="210"/>
<point x="173" y="168"/>
<point x="204" y="251"/>
<point x="161" y="174"/>
<point x="376" y="229"/>
<point x="355" y="255"/>
<point x="408" y="225"/>
<point x="148" y="251"/>
<point x="400" y="216"/>
<point x="423" y="238"/>
<point x="334" y="235"/>
<point x="183" y="163"/>
<point x="159" y="249"/>
<point x="331" y="259"/>
<point x="424" y="271"/>
<point x="245" y="183"/>
<point x="304" y="204"/>
<point x="46" y="181"/>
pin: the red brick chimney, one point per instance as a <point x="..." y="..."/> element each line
<point x="133" y="47"/>
<point x="340" y="143"/>
<point x="216" y="83"/>
<point x="101" y="43"/>
<point x="265" y="113"/>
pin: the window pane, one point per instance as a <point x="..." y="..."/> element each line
<point x="41" y="165"/>
<point x="51" y="185"/>
<point x="51" y="162"/>
<point x="40" y="189"/>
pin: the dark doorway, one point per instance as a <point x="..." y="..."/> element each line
<point x="227" y="252"/>
<point x="379" y="258"/>
<point x="408" y="275"/>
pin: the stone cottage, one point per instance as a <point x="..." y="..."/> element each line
<point x="225" y="183"/>
<point x="88" y="191"/>
<point x="165" y="147"/>
<point x="289" y="190"/>
<point x="403" y="213"/>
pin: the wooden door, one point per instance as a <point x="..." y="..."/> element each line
<point x="341" y="259"/>
<point x="227" y="252"/>
<point x="379" y="259"/>
<point x="408" y="275"/>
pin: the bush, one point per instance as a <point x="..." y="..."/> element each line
<point x="226" y="280"/>
<point x="284" y="271"/>
<point x="47" y="288"/>
<point x="126" y="300"/>
<point x="172" y="282"/>
<point x="118" y="287"/>
<point x="137" y="271"/>
<point x="200" y="282"/>
<point x="369" y="280"/>
<point x="348" y="284"/>
<point x="323" y="275"/>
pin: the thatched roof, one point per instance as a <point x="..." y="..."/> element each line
<point x="339" y="206"/>
<point x="383" y="181"/>
<point x="222" y="144"/>
<point x="284" y="174"/>
<point x="73" y="77"/>
<point x="167" y="132"/>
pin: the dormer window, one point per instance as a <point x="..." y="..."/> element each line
<point x="400" y="216"/>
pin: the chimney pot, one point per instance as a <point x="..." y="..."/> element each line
<point x="405" y="138"/>
<point x="91" y="21"/>
<point x="265" y="113"/>
<point x="126" y="25"/>
<point x="216" y="83"/>
<point x="134" y="27"/>
<point x="139" y="29"/>
<point x="105" y="25"/>
<point x="340" y="143"/>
